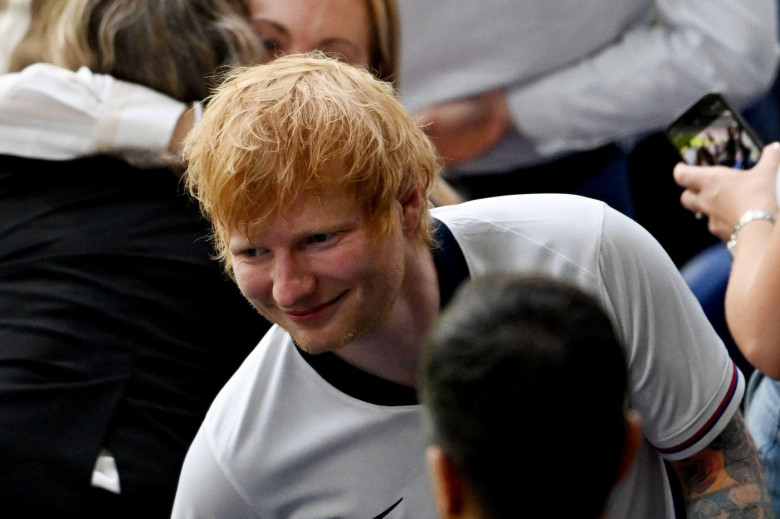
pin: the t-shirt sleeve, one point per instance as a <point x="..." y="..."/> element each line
<point x="205" y="488"/>
<point x="681" y="378"/>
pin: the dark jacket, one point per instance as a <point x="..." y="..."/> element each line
<point x="117" y="330"/>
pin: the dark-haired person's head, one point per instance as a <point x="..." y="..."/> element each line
<point x="524" y="382"/>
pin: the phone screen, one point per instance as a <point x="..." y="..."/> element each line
<point x="712" y="132"/>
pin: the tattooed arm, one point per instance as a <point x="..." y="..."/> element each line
<point x="725" y="480"/>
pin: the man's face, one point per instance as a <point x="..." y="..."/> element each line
<point x="319" y="272"/>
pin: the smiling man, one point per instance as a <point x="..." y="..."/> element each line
<point x="333" y="282"/>
<point x="316" y="182"/>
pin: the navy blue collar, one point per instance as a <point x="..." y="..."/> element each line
<point x="450" y="263"/>
<point x="452" y="270"/>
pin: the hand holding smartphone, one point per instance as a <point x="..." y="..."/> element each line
<point x="711" y="132"/>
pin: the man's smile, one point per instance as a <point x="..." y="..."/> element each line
<point x="312" y="314"/>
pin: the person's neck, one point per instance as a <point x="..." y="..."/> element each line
<point x="392" y="351"/>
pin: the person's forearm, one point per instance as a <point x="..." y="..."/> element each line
<point x="465" y="129"/>
<point x="752" y="305"/>
<point x="725" y="480"/>
<point x="183" y="126"/>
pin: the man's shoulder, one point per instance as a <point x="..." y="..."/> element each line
<point x="522" y="207"/>
<point x="274" y="353"/>
<point x="549" y="221"/>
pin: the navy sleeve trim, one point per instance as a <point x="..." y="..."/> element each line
<point x="713" y="420"/>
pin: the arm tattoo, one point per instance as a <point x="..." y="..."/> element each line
<point x="725" y="480"/>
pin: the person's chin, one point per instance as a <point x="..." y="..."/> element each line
<point x="317" y="343"/>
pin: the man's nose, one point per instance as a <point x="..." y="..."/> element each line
<point x="293" y="281"/>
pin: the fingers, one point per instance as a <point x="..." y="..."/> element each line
<point x="722" y="193"/>
<point x="690" y="177"/>
<point x="771" y="152"/>
<point x="689" y="200"/>
<point x="770" y="157"/>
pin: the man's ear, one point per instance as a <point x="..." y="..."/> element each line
<point x="412" y="209"/>
<point x="447" y="485"/>
<point x="631" y="443"/>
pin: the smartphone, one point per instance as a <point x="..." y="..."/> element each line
<point x="711" y="132"/>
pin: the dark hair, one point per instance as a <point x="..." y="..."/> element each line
<point x="525" y="384"/>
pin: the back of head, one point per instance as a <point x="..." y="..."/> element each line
<point x="304" y="124"/>
<point x="172" y="46"/>
<point x="525" y="384"/>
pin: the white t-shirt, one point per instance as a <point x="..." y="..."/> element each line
<point x="681" y="379"/>
<point x="281" y="441"/>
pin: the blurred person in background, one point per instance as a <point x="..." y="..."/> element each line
<point x="741" y="209"/>
<point x="364" y="33"/>
<point x="117" y="327"/>
<point x="549" y="97"/>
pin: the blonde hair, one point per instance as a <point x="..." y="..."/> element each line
<point x="305" y="123"/>
<point x="385" y="39"/>
<point x="172" y="46"/>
